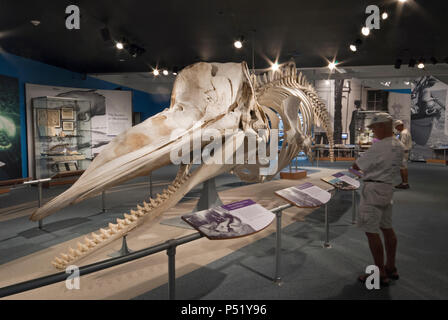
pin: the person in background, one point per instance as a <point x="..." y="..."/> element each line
<point x="406" y="140"/>
<point x="380" y="166"/>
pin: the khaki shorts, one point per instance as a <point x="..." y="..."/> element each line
<point x="375" y="210"/>
<point x="404" y="163"/>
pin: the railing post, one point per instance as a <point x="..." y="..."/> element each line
<point x="150" y="184"/>
<point x="171" y="252"/>
<point x="278" y="235"/>
<point x="103" y="201"/>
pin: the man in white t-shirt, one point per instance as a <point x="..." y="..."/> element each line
<point x="381" y="169"/>
<point x="406" y="140"/>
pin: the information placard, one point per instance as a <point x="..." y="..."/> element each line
<point x="229" y="221"/>
<point x="305" y="196"/>
<point x="342" y="181"/>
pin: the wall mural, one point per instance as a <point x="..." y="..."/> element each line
<point x="429" y="126"/>
<point x="10" y="152"/>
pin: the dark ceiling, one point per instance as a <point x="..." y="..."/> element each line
<point x="178" y="33"/>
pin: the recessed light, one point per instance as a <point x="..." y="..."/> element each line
<point x="238" y="44"/>
<point x="35" y="22"/>
<point x="365" y="31"/>
<point x="165" y="72"/>
<point x="384" y="15"/>
<point x="155" y="72"/>
<point x="332" y="65"/>
<point x="119" y="45"/>
<point x="275" y="67"/>
<point x="353" y="48"/>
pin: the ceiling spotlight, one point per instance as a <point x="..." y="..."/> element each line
<point x="238" y="44"/>
<point x="275" y="66"/>
<point x="353" y="48"/>
<point x="175" y="70"/>
<point x="434" y="60"/>
<point x="165" y="72"/>
<point x="365" y="31"/>
<point x="398" y="63"/>
<point x="35" y="22"/>
<point x="412" y="63"/>
<point x="421" y="64"/>
<point x="155" y="72"/>
<point x="332" y="65"/>
<point x="402" y="1"/>
<point x="384" y="15"/>
<point x="119" y="45"/>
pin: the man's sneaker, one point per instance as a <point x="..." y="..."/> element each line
<point x="402" y="186"/>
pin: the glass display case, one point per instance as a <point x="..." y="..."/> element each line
<point x="62" y="135"/>
<point x="363" y="135"/>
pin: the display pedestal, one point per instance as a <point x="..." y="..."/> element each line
<point x="209" y="196"/>
<point x="123" y="251"/>
<point x="293" y="175"/>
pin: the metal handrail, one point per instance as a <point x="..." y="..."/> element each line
<point x="169" y="246"/>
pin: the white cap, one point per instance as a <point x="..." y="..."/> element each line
<point x="380" y="118"/>
<point x="398" y="123"/>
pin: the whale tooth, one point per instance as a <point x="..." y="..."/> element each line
<point x="59" y="260"/>
<point x="89" y="242"/>
<point x="153" y="202"/>
<point x="130" y="217"/>
<point x="112" y="230"/>
<point x="96" y="237"/>
<point x="82" y="247"/>
<point x="57" y="265"/>
<point x="172" y="188"/>
<point x="65" y="257"/>
<point x="146" y="205"/>
<point x="164" y="196"/>
<point x="104" y="233"/>
<point x="139" y="207"/>
<point x="127" y="221"/>
<point x="72" y="252"/>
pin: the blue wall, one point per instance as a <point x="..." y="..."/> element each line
<point x="30" y="71"/>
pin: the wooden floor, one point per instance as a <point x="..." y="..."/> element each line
<point x="134" y="278"/>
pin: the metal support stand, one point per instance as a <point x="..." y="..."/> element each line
<point x="327" y="229"/>
<point x="278" y="248"/>
<point x="209" y="196"/>
<point x="123" y="251"/>
<point x="150" y="184"/>
<point x="354" y="207"/>
<point x="103" y="201"/>
<point x="171" y="252"/>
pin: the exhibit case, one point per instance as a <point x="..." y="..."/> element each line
<point x="363" y="135"/>
<point x="62" y="135"/>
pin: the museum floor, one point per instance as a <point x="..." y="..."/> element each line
<point x="240" y="268"/>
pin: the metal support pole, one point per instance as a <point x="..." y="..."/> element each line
<point x="103" y="201"/>
<point x="327" y="229"/>
<point x="123" y="251"/>
<point x="171" y="252"/>
<point x="150" y="184"/>
<point x="39" y="201"/>
<point x="278" y="248"/>
<point x="354" y="206"/>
